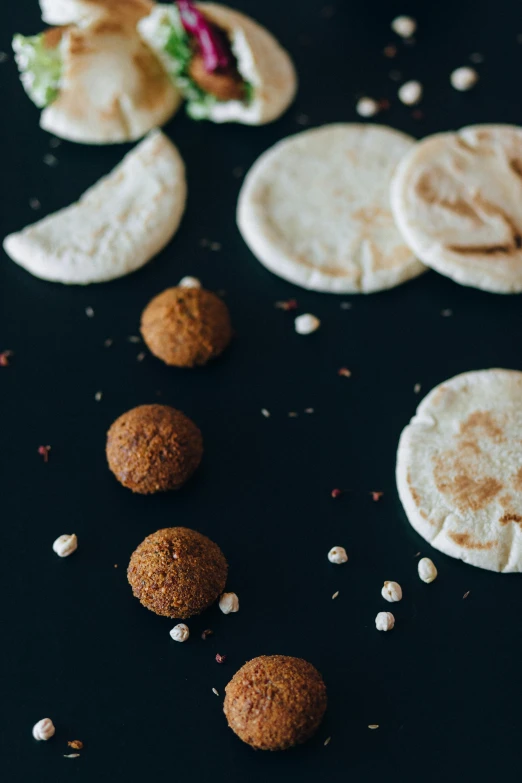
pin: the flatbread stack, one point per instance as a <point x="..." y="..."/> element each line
<point x="95" y="78"/>
<point x="457" y="200"/>
<point x="116" y="227"/>
<point x="315" y="209"/>
<point x="459" y="469"/>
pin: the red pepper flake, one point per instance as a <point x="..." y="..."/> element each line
<point x="43" y="451"/>
<point x="336" y="493"/>
<point x="220" y="658"/>
<point x="376" y="496"/>
<point x="4" y="358"/>
<point x="289" y="304"/>
<point x="384" y="104"/>
<point x="344" y="372"/>
<point x="206" y="634"/>
<point x="466" y="594"/>
<point x="390" y="51"/>
<point x="75" y="744"/>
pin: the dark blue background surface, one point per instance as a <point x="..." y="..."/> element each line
<point x="445" y="686"/>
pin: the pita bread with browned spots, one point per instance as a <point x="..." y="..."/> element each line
<point x="113" y="87"/>
<point x="459" y="469"/>
<point x="315" y="209"/>
<point x="116" y="227"/>
<point x="95" y="78"/>
<point x="457" y="200"/>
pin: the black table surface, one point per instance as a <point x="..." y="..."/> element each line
<point x="444" y="686"/>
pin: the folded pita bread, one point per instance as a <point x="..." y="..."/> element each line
<point x="116" y="227"/>
<point x="315" y="210"/>
<point x="457" y="200"/>
<point x="261" y="61"/>
<point x="459" y="469"/>
<point x="107" y="86"/>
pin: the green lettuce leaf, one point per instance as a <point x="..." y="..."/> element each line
<point x="40" y="68"/>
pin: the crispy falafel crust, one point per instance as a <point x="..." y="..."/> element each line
<point x="177" y="572"/>
<point x="275" y="701"/>
<point x="153" y="448"/>
<point x="186" y="327"/>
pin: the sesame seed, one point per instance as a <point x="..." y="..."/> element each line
<point x="215" y="692"/>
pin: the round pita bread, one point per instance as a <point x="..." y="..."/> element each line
<point x="315" y="210"/>
<point x="457" y="200"/>
<point x="116" y="227"/>
<point x="459" y="469"/>
<point x="261" y="61"/>
<point x="113" y="87"/>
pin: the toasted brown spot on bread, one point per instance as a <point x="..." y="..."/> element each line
<point x="516" y="166"/>
<point x="504" y="520"/>
<point x="415" y="495"/>
<point x="468" y="493"/>
<point x="153" y="79"/>
<point x="52" y="37"/>
<point x="485" y="423"/>
<point x="505" y="501"/>
<point x="468" y="542"/>
<point x="472" y="445"/>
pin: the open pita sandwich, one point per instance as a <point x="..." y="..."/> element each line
<point x="228" y="67"/>
<point x="95" y="78"/>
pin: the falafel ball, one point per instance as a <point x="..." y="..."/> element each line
<point x="186" y="327"/>
<point x="274" y="702"/>
<point x="153" y="448"/>
<point x="177" y="572"/>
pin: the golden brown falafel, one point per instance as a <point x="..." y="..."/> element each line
<point x="224" y="85"/>
<point x="153" y="448"/>
<point x="274" y="702"/>
<point x="185" y="327"/>
<point x="177" y="572"/>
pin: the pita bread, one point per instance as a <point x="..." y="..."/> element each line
<point x="113" y="87"/>
<point x="116" y="227"/>
<point x="315" y="210"/>
<point x="457" y="200"/>
<point x="64" y="12"/>
<point x="261" y="61"/>
<point x="459" y="469"/>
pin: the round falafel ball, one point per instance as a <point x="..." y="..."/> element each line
<point x="177" y="572"/>
<point x="153" y="448"/>
<point x="186" y="327"/>
<point x="274" y="702"/>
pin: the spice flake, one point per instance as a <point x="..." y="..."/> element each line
<point x="376" y="496"/>
<point x="43" y="451"/>
<point x="286" y="305"/>
<point x="5" y="357"/>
